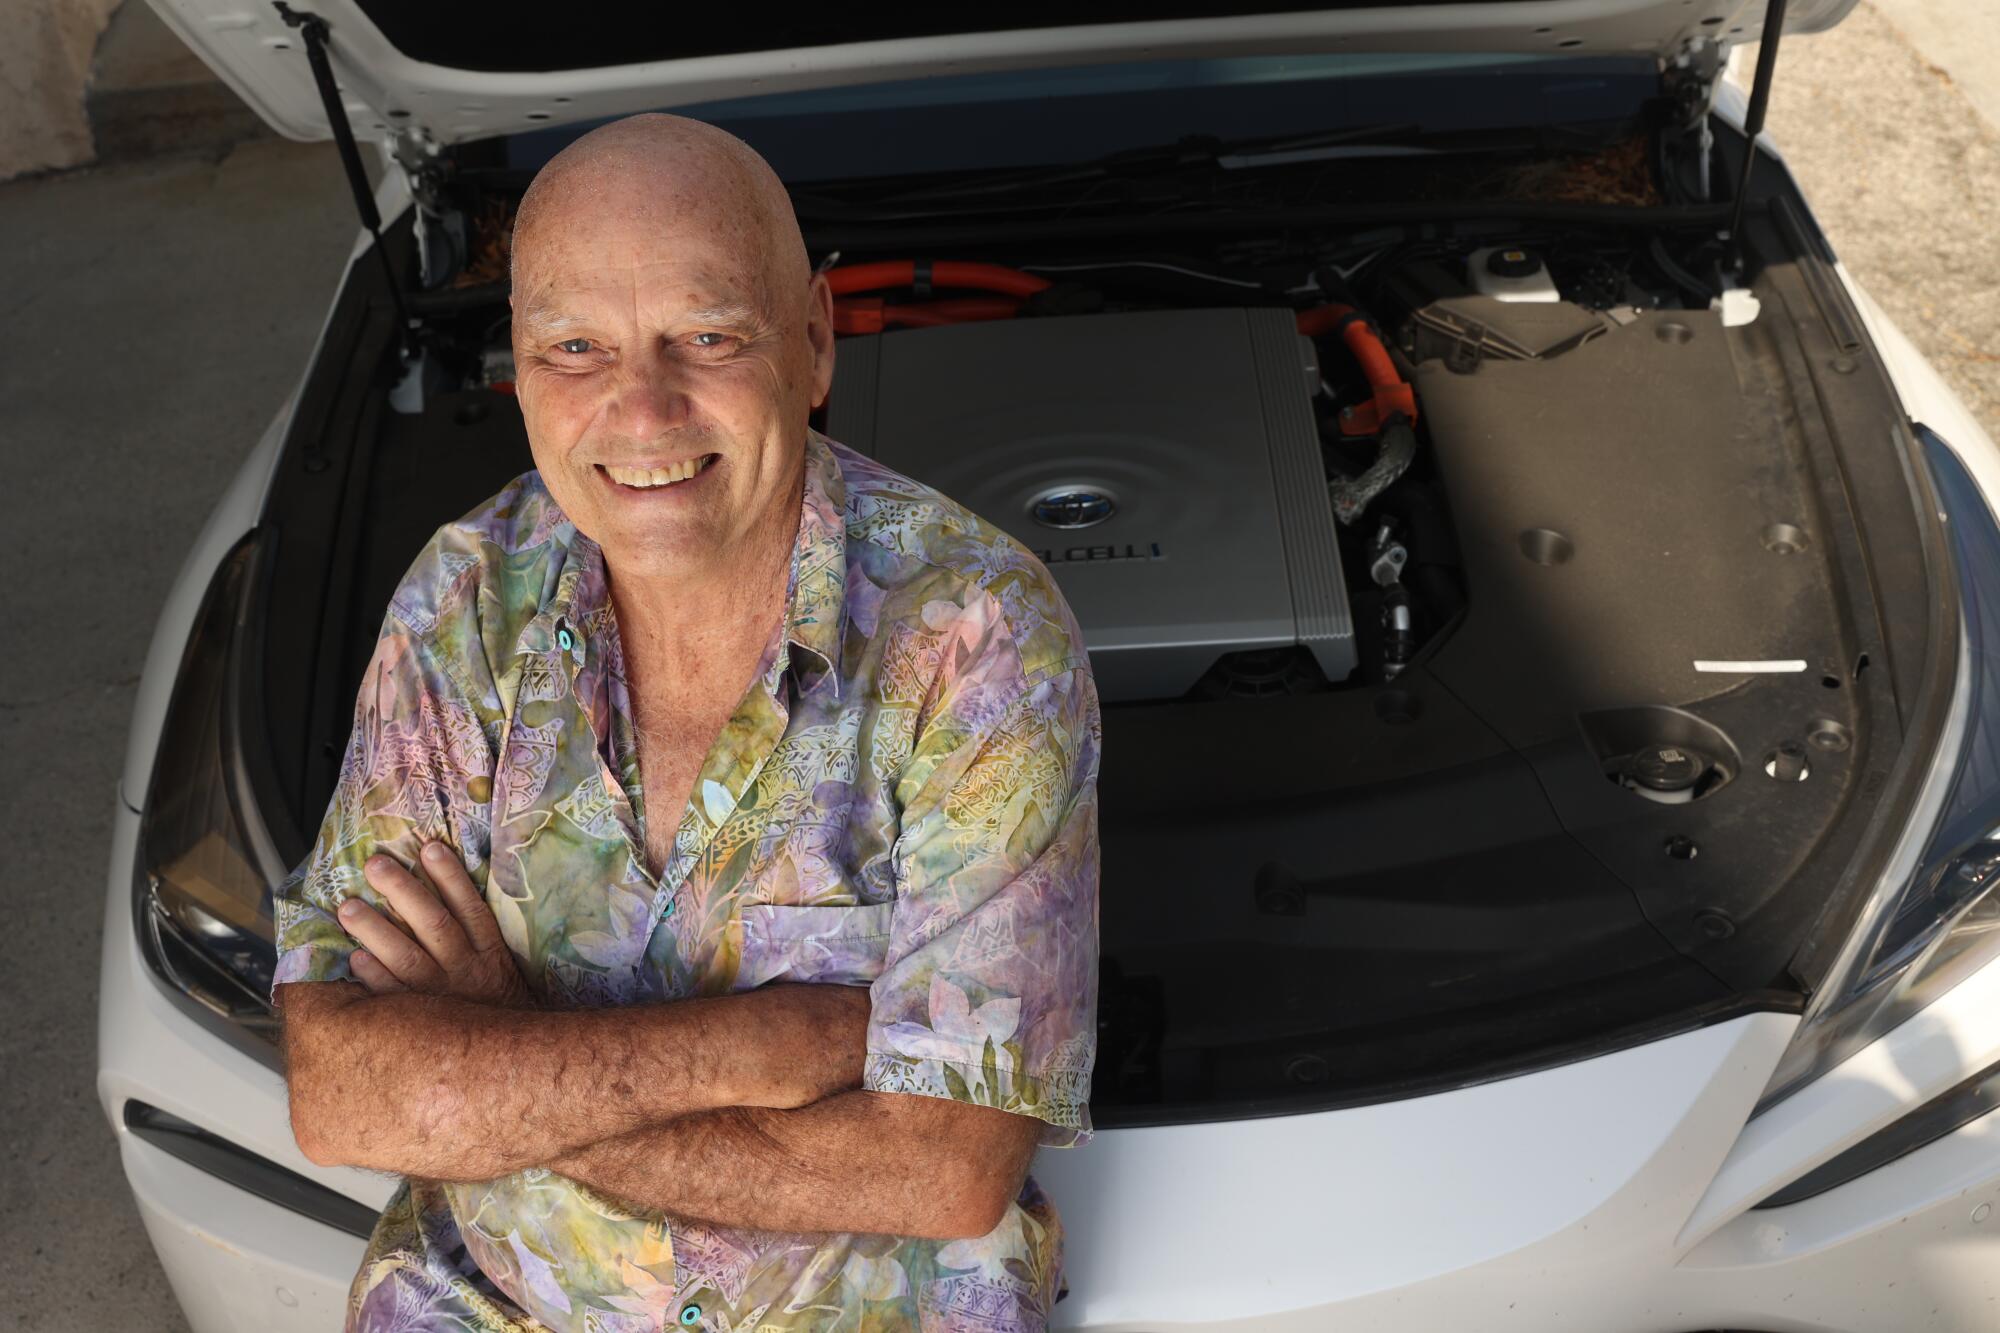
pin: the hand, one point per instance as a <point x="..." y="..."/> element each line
<point x="449" y="942"/>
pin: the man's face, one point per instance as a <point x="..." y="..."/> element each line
<point x="647" y="352"/>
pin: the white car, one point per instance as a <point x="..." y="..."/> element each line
<point x="1548" y="621"/>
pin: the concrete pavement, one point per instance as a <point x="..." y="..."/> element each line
<point x="1959" y="39"/>
<point x="1903" y="171"/>
<point x="157" y="316"/>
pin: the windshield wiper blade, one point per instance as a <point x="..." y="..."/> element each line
<point x="1398" y="132"/>
<point x="1190" y="151"/>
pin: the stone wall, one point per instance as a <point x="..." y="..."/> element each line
<point x="44" y="71"/>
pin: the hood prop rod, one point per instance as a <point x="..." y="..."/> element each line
<point x="313" y="30"/>
<point x="1753" y="119"/>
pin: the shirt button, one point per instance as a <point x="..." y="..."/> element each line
<point x="690" y="1314"/>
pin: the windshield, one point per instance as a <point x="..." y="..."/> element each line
<point x="510" y="35"/>
<point x="1080" y="113"/>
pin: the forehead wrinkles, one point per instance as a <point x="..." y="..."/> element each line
<point x="645" y="224"/>
<point x="658" y="293"/>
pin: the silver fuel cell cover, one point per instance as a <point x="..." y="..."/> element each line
<point x="1163" y="464"/>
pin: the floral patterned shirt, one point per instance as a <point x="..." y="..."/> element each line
<point x="905" y="798"/>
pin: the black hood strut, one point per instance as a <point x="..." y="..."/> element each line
<point x="1753" y="119"/>
<point x="312" y="30"/>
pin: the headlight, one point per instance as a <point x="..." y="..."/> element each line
<point x="206" y="862"/>
<point x="1935" y="918"/>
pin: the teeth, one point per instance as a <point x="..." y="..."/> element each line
<point x="647" y="477"/>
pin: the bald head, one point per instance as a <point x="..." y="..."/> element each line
<point x="665" y="174"/>
<point x="670" y="343"/>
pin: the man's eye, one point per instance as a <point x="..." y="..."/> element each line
<point x="575" y="346"/>
<point x="710" y="339"/>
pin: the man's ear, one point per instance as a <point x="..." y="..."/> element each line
<point x="819" y="332"/>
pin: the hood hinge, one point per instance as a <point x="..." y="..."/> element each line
<point x="417" y="156"/>
<point x="313" y="30"/>
<point x="417" y="153"/>
<point x="1691" y="82"/>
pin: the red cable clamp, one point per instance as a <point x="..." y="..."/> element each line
<point x="1393" y="397"/>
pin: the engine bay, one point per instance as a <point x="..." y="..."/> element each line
<point x="1475" y="597"/>
<point x="1237" y="475"/>
<point x="1099" y="405"/>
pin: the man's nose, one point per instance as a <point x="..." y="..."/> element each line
<point x="651" y="395"/>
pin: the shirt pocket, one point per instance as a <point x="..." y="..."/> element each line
<point x="838" y="946"/>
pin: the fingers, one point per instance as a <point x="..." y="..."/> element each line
<point x="462" y="896"/>
<point x="433" y="927"/>
<point x="391" y="949"/>
<point x="378" y="979"/>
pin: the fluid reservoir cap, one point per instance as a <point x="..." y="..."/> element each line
<point x="1511" y="263"/>
<point x="1667" y="767"/>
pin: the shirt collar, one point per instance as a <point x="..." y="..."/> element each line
<point x="818" y="599"/>
<point x="816" y="618"/>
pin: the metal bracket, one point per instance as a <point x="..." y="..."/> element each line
<point x="416" y="152"/>
<point x="1694" y="75"/>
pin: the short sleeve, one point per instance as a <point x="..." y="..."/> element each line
<point x="989" y="994"/>
<point x="418" y="768"/>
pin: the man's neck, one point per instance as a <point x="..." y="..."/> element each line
<point x="674" y="624"/>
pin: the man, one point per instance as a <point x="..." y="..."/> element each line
<point x="704" y="704"/>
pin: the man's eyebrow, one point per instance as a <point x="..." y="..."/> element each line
<point x="547" y="319"/>
<point x="729" y="314"/>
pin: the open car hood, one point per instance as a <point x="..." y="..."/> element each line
<point x="442" y="73"/>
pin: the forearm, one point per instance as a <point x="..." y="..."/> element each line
<point x="887" y="1163"/>
<point x="450" y="1090"/>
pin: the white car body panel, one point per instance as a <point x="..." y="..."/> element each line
<point x="1322" y="1212"/>
<point x="256" y="54"/>
<point x="236" y="1263"/>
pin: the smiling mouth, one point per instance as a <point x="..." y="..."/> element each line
<point x="653" y="478"/>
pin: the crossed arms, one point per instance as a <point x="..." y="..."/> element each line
<point x="741" y="1110"/>
<point x="745" y="1110"/>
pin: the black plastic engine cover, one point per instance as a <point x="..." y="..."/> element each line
<point x="1641" y="528"/>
